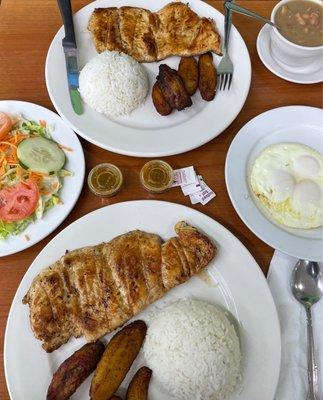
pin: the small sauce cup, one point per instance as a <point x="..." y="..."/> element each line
<point x="105" y="180"/>
<point x="291" y="56"/>
<point x="156" y="176"/>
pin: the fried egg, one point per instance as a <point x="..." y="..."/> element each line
<point x="287" y="179"/>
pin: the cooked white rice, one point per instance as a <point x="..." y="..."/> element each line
<point x="113" y="83"/>
<point x="194" y="351"/>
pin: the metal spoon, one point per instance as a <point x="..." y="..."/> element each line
<point x="248" y="13"/>
<point x="307" y="288"/>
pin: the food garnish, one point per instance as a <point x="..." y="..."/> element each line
<point x="173" y="88"/>
<point x="138" y="387"/>
<point x="188" y="71"/>
<point x="147" y="36"/>
<point x="131" y="271"/>
<point x="117" y="359"/>
<point x="31" y="172"/>
<point x="74" y="370"/>
<point x="207" y="76"/>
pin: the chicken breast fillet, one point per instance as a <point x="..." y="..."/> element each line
<point x="148" y="37"/>
<point x="94" y="290"/>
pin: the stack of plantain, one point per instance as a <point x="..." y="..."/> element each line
<point x="172" y="89"/>
<point x="169" y="91"/>
<point x="111" y="365"/>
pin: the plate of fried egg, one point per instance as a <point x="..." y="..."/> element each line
<point x="274" y="177"/>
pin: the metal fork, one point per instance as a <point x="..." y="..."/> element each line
<point x="225" y="68"/>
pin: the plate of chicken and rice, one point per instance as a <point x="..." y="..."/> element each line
<point x="206" y="320"/>
<point x="148" y="76"/>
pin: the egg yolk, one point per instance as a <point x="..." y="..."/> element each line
<point x="307" y="192"/>
<point x="307" y="166"/>
<point x="281" y="185"/>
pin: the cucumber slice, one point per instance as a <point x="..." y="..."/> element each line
<point x="41" y="155"/>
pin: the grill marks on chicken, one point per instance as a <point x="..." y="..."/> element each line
<point x="93" y="290"/>
<point x="148" y="37"/>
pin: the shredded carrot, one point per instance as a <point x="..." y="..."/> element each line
<point x="35" y="176"/>
<point x="66" y="148"/>
<point x="8" y="149"/>
<point x="8" y="144"/>
<point x="42" y="174"/>
<point x="42" y="123"/>
<point x="18" y="137"/>
<point x="7" y="137"/>
<point x="45" y="192"/>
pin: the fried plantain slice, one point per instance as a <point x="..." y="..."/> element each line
<point x="189" y="72"/>
<point x="173" y="88"/>
<point x="160" y="103"/>
<point x="117" y="359"/>
<point x="138" y="387"/>
<point x="74" y="370"/>
<point x="207" y="76"/>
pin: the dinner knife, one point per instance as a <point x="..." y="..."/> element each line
<point x="70" y="52"/>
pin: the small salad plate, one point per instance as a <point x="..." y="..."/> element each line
<point x="292" y="124"/>
<point x="41" y="174"/>
<point x="265" y="55"/>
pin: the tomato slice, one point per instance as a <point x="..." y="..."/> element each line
<point x="19" y="201"/>
<point x="5" y="124"/>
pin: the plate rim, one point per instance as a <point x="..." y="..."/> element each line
<point x="69" y="209"/>
<point x="237" y="204"/>
<point x="257" y="270"/>
<point x="147" y="153"/>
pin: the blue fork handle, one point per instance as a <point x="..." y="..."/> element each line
<point x="227" y="26"/>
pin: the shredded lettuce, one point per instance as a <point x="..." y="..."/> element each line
<point x="63" y="173"/>
<point x="53" y="201"/>
<point x="13" y="228"/>
<point x="32" y="127"/>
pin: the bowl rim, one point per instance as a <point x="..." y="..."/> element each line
<point x="297" y="46"/>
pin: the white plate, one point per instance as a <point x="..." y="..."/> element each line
<point x="72" y="186"/>
<point x="236" y="283"/>
<point x="264" y="52"/>
<point x="145" y="133"/>
<point x="286" y="124"/>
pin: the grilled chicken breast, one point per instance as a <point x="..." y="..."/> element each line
<point x="93" y="290"/>
<point x="148" y="37"/>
